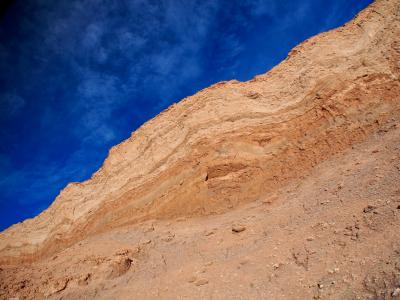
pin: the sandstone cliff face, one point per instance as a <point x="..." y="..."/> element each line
<point x="234" y="142"/>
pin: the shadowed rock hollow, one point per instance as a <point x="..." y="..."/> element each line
<point x="304" y="160"/>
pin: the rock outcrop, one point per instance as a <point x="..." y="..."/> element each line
<point x="233" y="143"/>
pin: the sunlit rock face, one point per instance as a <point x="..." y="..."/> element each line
<point x="221" y="150"/>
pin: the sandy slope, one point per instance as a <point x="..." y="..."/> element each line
<point x="333" y="234"/>
<point x="304" y="158"/>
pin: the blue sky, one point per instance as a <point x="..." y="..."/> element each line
<point x="78" y="76"/>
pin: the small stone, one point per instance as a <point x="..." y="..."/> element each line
<point x="277" y="266"/>
<point x="192" y="279"/>
<point x="396" y="292"/>
<point x="369" y="208"/>
<point x="238" y="228"/>
<point x="119" y="266"/>
<point x="310" y="238"/>
<point x="209" y="232"/>
<point x="333" y="271"/>
<point x="200" y="282"/>
<point x="84" y="279"/>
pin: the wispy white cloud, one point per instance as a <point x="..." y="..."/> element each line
<point x="157" y="42"/>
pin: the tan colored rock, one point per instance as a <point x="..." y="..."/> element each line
<point x="332" y="91"/>
<point x="201" y="282"/>
<point x="294" y="133"/>
<point x="236" y="228"/>
<point x="119" y="266"/>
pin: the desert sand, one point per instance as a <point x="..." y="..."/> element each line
<point x="286" y="186"/>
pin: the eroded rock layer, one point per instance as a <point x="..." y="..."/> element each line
<point x="234" y="142"/>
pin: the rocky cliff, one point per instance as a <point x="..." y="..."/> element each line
<point x="232" y="144"/>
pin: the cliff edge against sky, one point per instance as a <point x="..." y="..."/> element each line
<point x="283" y="137"/>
